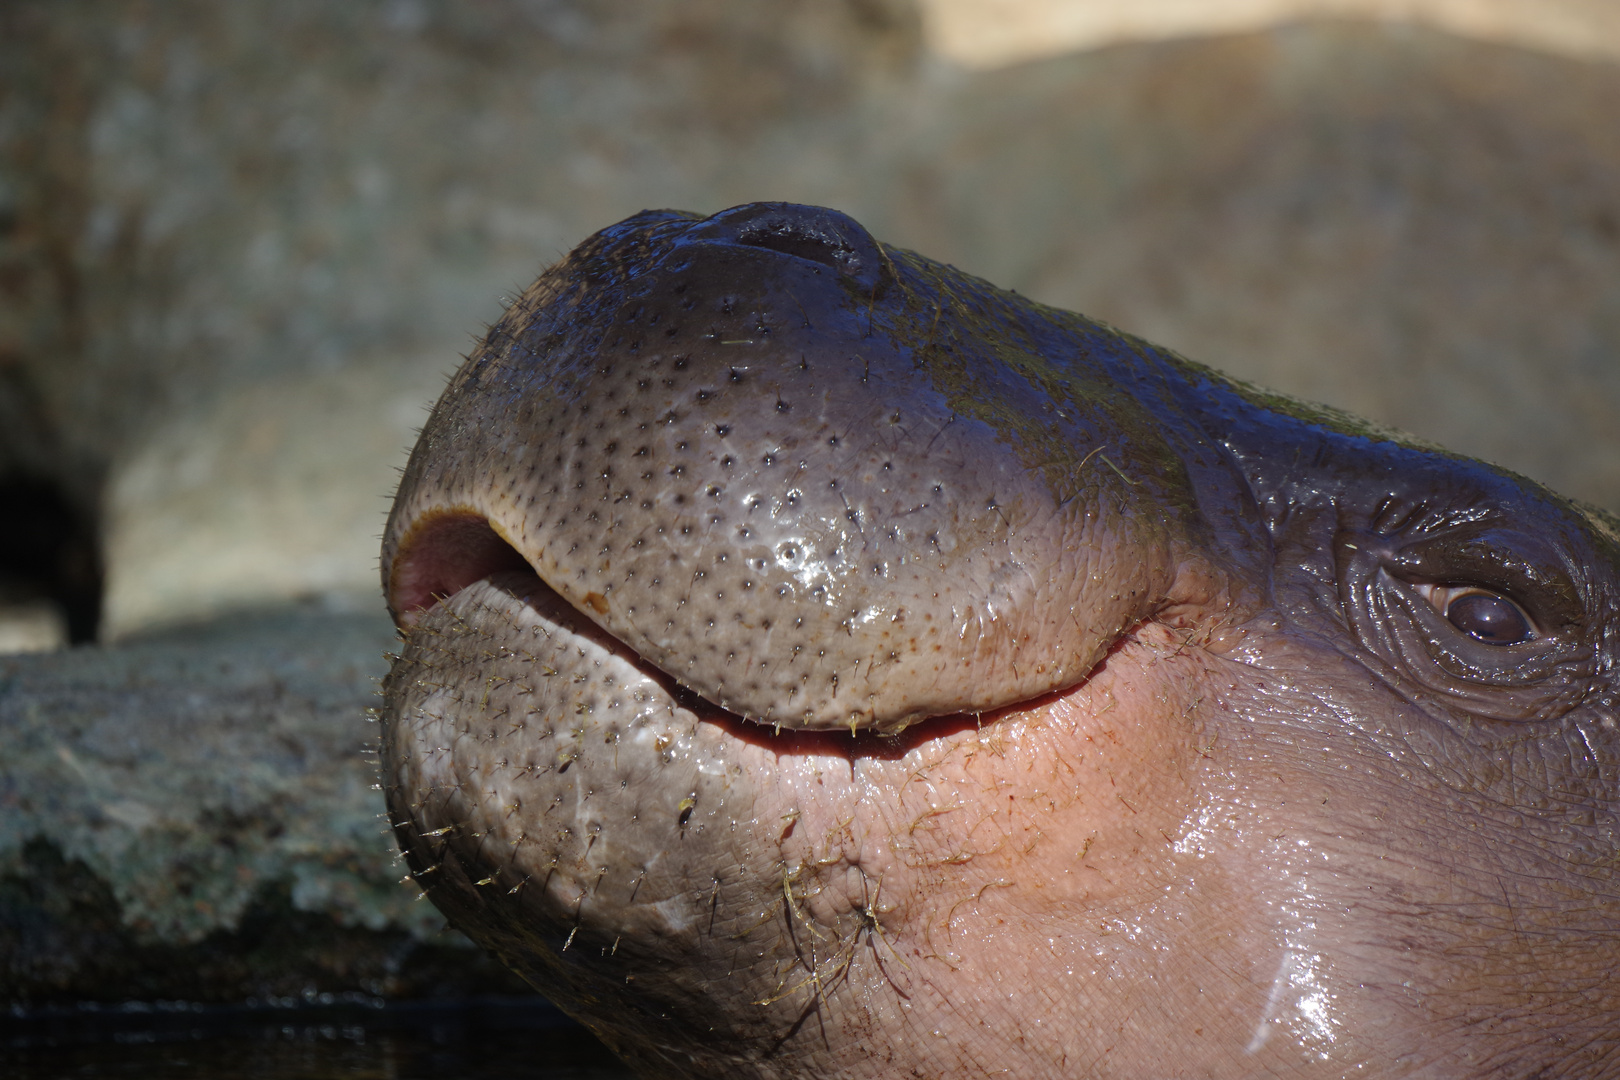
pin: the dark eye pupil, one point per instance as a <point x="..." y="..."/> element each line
<point x="1491" y="619"/>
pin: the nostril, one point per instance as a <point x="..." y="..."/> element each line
<point x="806" y="232"/>
<point x="442" y="555"/>
<point x="802" y="239"/>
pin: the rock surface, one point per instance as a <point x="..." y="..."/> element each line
<point x="248" y="243"/>
<point x="995" y="33"/>
<point x="193" y="817"/>
<point x="1414" y="227"/>
<point x="213" y="209"/>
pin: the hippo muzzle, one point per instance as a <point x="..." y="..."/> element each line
<point x="819" y="662"/>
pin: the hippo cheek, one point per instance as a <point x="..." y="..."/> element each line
<point x="1189" y="858"/>
<point x="707" y="894"/>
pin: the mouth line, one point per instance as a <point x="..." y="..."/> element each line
<point x="447" y="550"/>
<point x="531" y="589"/>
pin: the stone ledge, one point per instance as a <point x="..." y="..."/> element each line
<point x="192" y="816"/>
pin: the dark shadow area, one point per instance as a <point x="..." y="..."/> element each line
<point x="48" y="551"/>
<point x="449" y="1011"/>
<point x="349" y="1036"/>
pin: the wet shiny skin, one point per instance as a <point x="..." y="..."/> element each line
<point x="819" y="663"/>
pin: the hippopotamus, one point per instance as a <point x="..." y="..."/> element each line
<point x="817" y="661"/>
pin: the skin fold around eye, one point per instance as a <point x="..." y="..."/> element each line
<point x="1530" y="572"/>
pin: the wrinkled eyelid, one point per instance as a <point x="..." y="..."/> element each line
<point x="1528" y="573"/>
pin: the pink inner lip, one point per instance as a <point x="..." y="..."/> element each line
<point x="443" y="554"/>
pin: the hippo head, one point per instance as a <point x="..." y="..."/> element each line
<point x="818" y="662"/>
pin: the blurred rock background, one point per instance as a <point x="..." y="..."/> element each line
<point x="242" y="245"/>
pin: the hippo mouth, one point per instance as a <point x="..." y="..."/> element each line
<point x="601" y="827"/>
<point x="455" y="564"/>
<point x="730" y="581"/>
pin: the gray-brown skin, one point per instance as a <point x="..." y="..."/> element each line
<point x="818" y="662"/>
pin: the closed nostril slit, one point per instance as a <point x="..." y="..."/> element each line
<point x="794" y="238"/>
<point x="812" y="233"/>
<point x="442" y="555"/>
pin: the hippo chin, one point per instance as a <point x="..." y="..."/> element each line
<point x="818" y="662"/>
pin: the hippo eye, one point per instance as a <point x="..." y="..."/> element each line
<point x="1511" y="640"/>
<point x="1479" y="613"/>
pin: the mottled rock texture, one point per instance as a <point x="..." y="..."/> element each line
<point x="243" y="243"/>
<point x="212" y="209"/>
<point x="995" y="33"/>
<point x="218" y="217"/>
<point x="193" y="817"/>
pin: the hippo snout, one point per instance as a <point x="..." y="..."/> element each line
<point x="817" y="661"/>
<point x="808" y="501"/>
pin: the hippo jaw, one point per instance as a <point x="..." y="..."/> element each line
<point x="817" y="663"/>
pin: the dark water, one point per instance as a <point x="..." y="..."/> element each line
<point x="478" y="1039"/>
